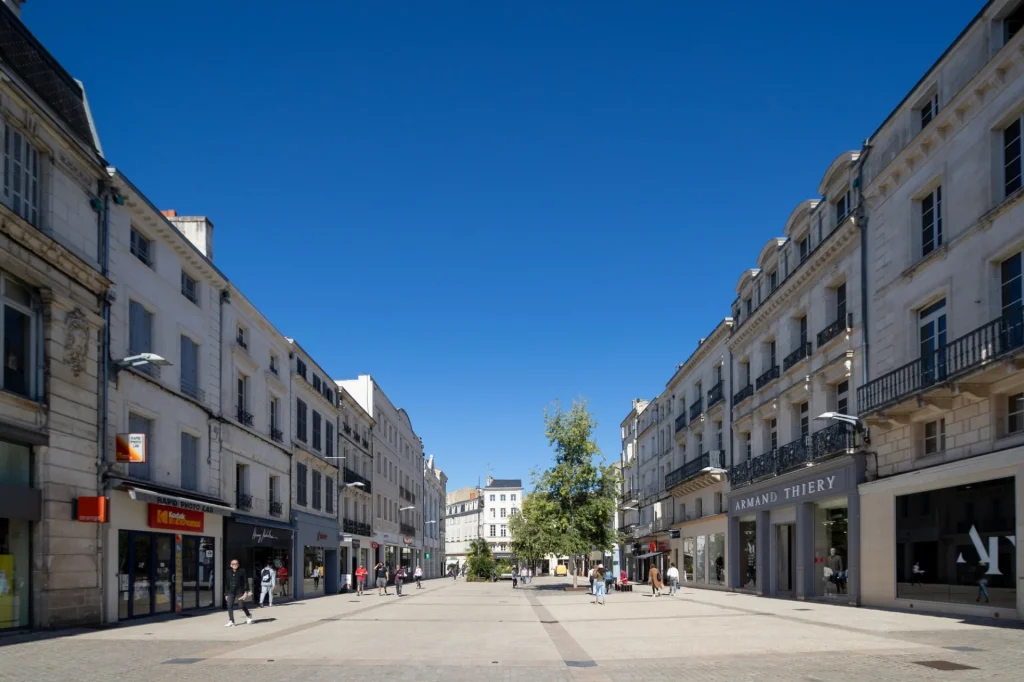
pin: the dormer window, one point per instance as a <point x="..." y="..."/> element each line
<point x="929" y="109"/>
<point x="805" y="247"/>
<point x="842" y="208"/>
<point x="773" y="280"/>
<point x="749" y="305"/>
<point x="241" y="337"/>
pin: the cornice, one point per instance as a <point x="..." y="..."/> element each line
<point x="806" y="273"/>
<point x="719" y="334"/>
<point x="50" y="250"/>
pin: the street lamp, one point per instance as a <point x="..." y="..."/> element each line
<point x="855" y="422"/>
<point x="138" y="360"/>
<point x="357" y="484"/>
<point x="402" y="509"/>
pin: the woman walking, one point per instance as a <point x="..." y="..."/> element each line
<point x="418" y="574"/>
<point x="654" y="576"/>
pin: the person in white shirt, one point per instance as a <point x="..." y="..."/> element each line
<point x="268" y="581"/>
<point x="673" y="579"/>
<point x="418" y="574"/>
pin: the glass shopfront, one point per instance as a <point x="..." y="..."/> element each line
<point x="688" y="550"/>
<point x="255" y="544"/>
<point x="748" y="552"/>
<point x="147" y="582"/>
<point x="831" y="547"/>
<point x="699" y="572"/>
<point x="958" y="544"/>
<point x="716" y="559"/>
<point x="313" y="570"/>
<point x="15" y="559"/>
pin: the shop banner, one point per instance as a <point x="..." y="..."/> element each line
<point x="172" y="518"/>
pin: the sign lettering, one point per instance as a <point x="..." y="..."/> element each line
<point x="131" y="447"/>
<point x="261" y="534"/>
<point x="990" y="557"/>
<point x="173" y="518"/>
<point x="321" y="536"/>
<point x="793" y="492"/>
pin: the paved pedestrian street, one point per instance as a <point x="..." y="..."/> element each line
<point x="456" y="631"/>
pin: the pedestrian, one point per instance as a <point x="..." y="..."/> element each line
<point x="380" y="573"/>
<point x="282" y="578"/>
<point x="529" y="574"/>
<point x="673" y="579"/>
<point x="609" y="580"/>
<point x="654" y="576"/>
<point x="236" y="590"/>
<point x="916" y="573"/>
<point x="982" y="581"/>
<point x="268" y="580"/>
<point x="515" y="578"/>
<point x="360" y="580"/>
<point x="597" y="577"/>
<point x="315" y="575"/>
<point x="418" y="574"/>
<point x="399" y="579"/>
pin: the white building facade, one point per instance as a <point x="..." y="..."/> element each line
<point x="434" y="497"/>
<point x="356" y="507"/>
<point x="502" y="499"/>
<point x="463" y="523"/>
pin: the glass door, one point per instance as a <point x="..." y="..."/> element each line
<point x="933" y="343"/>
<point x="163" y="574"/>
<point x="189" y="572"/>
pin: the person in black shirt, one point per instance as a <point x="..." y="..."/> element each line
<point x="236" y="589"/>
<point x="381" y="574"/>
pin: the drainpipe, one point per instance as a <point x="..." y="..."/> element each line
<point x="862" y="220"/>
<point x="103" y="484"/>
<point x="728" y="354"/>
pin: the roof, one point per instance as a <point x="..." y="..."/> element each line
<point x="506" y="483"/>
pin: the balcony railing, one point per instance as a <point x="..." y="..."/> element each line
<point x="692" y="469"/>
<point x="802" y="351"/>
<point x="832" y="331"/>
<point x="353" y="477"/>
<point x="742" y="394"/>
<point x="407" y="529"/>
<point x="715" y="395"/>
<point x="243" y="417"/>
<point x="835" y="439"/>
<point x="680" y="423"/>
<point x="630" y="498"/>
<point x="366" y="443"/>
<point x="193" y="391"/>
<point x="696" y="409"/>
<point x="767" y="378"/>
<point x="346" y="428"/>
<point x="962" y="356"/>
<point x="628" y="529"/>
<point x="276" y="435"/>
<point x="356" y="527"/>
<point x="276" y="509"/>
<point x="243" y="501"/>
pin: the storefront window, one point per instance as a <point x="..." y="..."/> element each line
<point x="748" y="549"/>
<point x="313" y="569"/>
<point x="688" y="550"/>
<point x="15" y="465"/>
<point x="14" y="572"/>
<point x="700" y="558"/>
<point x="957" y="544"/>
<point x="716" y="559"/>
<point x="831" y="543"/>
<point x="145" y="573"/>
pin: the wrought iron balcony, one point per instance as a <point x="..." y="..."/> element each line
<point x="835" y="439"/>
<point x="742" y="394"/>
<point x="962" y="356"/>
<point x="351" y="476"/>
<point x="356" y="527"/>
<point x="696" y="409"/>
<point x="243" y="417"/>
<point x="767" y="378"/>
<point x="240" y="340"/>
<point x="680" y="423"/>
<point x="713" y="459"/>
<point x="803" y="350"/>
<point x="366" y="443"/>
<point x="407" y="529"/>
<point x="276" y="435"/>
<point x="628" y="529"/>
<point x="276" y="509"/>
<point x="346" y="428"/>
<point x="193" y="391"/>
<point x="630" y="498"/>
<point x="715" y="395"/>
<point x="243" y="501"/>
<point x="832" y="331"/>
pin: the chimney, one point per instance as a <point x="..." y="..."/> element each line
<point x="197" y="228"/>
<point x="14" y="6"/>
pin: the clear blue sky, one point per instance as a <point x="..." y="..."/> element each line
<point x="490" y="205"/>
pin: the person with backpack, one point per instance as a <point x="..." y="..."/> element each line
<point x="268" y="581"/>
<point x="399" y="579"/>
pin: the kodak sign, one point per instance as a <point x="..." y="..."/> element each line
<point x="172" y="518"/>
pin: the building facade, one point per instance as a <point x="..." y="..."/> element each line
<point x="464" y="517"/>
<point x="356" y="507"/>
<point x="944" y="403"/>
<point x="502" y="499"/>
<point x="434" y="496"/>
<point x="632" y="491"/>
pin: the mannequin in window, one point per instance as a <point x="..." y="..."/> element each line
<point x="835" y="562"/>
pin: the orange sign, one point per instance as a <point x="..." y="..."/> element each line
<point x="92" y="509"/>
<point x="131" y="447"/>
<point x="172" y="518"/>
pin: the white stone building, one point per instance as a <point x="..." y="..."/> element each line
<point x="632" y="490"/>
<point x="654" y="460"/>
<point x="699" y="396"/>
<point x="356" y="507"/>
<point x="945" y="396"/>
<point x="398" y="475"/>
<point x="52" y="288"/>
<point x="434" y="496"/>
<point x="503" y="499"/>
<point x="167" y="303"/>
<point x="463" y="523"/>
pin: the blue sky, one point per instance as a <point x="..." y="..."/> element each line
<point x="490" y="205"/>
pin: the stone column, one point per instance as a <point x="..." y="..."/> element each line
<point x="732" y="562"/>
<point x="853" y="543"/>
<point x="764" y="545"/>
<point x="803" y="555"/>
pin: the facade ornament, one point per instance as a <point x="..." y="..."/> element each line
<point x="76" y="341"/>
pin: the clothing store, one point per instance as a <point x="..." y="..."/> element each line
<point x="20" y="508"/>
<point x="798" y="535"/>
<point x="316" y="566"/>
<point x="256" y="542"/>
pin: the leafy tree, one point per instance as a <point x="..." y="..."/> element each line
<point x="479" y="560"/>
<point x="533" y="529"/>
<point x="578" y="495"/>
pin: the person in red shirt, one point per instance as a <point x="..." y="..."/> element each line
<point x="360" y="579"/>
<point x="282" y="577"/>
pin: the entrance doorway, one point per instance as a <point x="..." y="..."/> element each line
<point x="145" y="573"/>
<point x="784" y="551"/>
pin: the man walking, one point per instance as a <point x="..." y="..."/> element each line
<point x="399" y="579"/>
<point x="418" y="574"/>
<point x="360" y="579"/>
<point x="236" y="589"/>
<point x="673" y="580"/>
<point x="268" y="580"/>
<point x="381" y="574"/>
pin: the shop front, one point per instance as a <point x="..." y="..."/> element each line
<point x="798" y="535"/>
<point x="20" y="509"/>
<point x="651" y="551"/>
<point x="354" y="551"/>
<point x="944" y="539"/>
<point x="316" y="569"/>
<point x="699" y="551"/>
<point x="255" y="543"/>
<point x="167" y="558"/>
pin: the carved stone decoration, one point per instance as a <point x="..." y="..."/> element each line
<point x="76" y="342"/>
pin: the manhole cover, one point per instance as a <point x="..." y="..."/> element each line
<point x="945" y="665"/>
<point x="965" y="649"/>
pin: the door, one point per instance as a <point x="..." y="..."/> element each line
<point x="163" y="574"/>
<point x="784" y="551"/>
<point x="933" y="343"/>
<point x="141" y="575"/>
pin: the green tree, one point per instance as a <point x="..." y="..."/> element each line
<point x="533" y="529"/>
<point x="479" y="560"/>
<point x="580" y="491"/>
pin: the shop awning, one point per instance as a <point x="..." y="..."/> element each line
<point x="649" y="555"/>
<point x="194" y="504"/>
<point x="253" y="521"/>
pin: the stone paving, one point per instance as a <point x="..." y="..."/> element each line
<point x="454" y="631"/>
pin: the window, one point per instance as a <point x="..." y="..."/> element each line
<point x="317" y="483"/>
<point x="1015" y="413"/>
<point x="773" y="430"/>
<point x="189" y="288"/>
<point x="275" y="410"/>
<point x="242" y="400"/>
<point x="803" y="331"/>
<point x="842" y="208"/>
<point x="773" y="280"/>
<point x="932" y="335"/>
<point x="492" y="498"/>
<point x="300" y="421"/>
<point x="841" y="303"/>
<point x="141" y="247"/>
<point x="929" y="110"/>
<point x="21" y="175"/>
<point x="240" y="337"/>
<point x="330" y="439"/>
<point x="493" y="530"/>
<point x="140" y="330"/>
<point x="805" y="421"/>
<point x="494" y="512"/>
<point x="190" y="368"/>
<point x="20" y="325"/>
<point x="746" y="438"/>
<point x="1013" y="23"/>
<point x="378" y="505"/>
<point x="189" y="462"/>
<point x="512" y="497"/>
<point x="931" y="222"/>
<point x="317" y="386"/>
<point x="274" y="489"/>
<point x="273" y="364"/>
<point x="843" y="397"/>
<point x="805" y="248"/>
<point x="771" y="354"/>
<point x="718" y="437"/>
<point x="300" y="485"/>
<point x="329" y="505"/>
<point x="1011" y="158"/>
<point x="935" y="436"/>
<point x="503" y="512"/>
<point x="504" y="531"/>
<point x="1012" y="296"/>
<point x="749" y="305"/>
<point x="300" y="367"/>
<point x="139" y="424"/>
<point x="316" y="430"/>
<point x="502" y="498"/>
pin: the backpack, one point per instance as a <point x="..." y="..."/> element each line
<point x="266" y="576"/>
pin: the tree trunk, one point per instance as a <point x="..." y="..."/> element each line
<point x="572" y="564"/>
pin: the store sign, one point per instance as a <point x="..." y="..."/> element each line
<point x="263" y="535"/>
<point x="92" y="509"/>
<point x="825" y="485"/>
<point x="374" y="545"/>
<point x="406" y="541"/>
<point x="131" y="447"/>
<point x="173" y="518"/>
<point x="320" y="537"/>
<point x="652" y="547"/>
